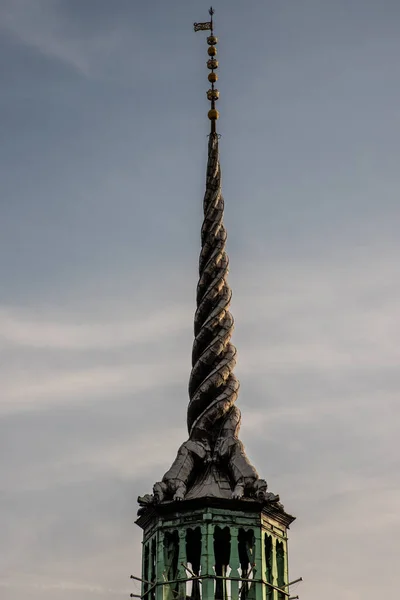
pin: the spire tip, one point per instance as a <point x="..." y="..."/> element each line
<point x="212" y="65"/>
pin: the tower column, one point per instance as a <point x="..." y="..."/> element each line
<point x="274" y="568"/>
<point x="207" y="557"/>
<point x="161" y="591"/>
<point x="258" y="561"/>
<point x="234" y="562"/>
<point x="212" y="531"/>
<point x="181" y="572"/>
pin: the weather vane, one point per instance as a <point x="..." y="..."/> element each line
<point x="212" y="65"/>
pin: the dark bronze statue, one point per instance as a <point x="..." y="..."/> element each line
<point x="203" y="449"/>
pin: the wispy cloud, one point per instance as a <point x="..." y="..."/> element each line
<point x="32" y="391"/>
<point x="50" y="362"/>
<point x="332" y="316"/>
<point x="22" y="327"/>
<point x="41" y="26"/>
<point x="310" y="321"/>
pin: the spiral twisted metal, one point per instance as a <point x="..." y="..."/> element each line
<point x="213" y="388"/>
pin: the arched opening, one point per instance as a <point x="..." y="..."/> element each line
<point x="193" y="557"/>
<point x="269" y="565"/>
<point x="146" y="573"/>
<point x="246" y="543"/>
<point x="280" y="567"/>
<point x="222" y="552"/>
<point x="171" y="556"/>
<point x="153" y="561"/>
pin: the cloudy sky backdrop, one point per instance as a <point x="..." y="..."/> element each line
<point x="102" y="162"/>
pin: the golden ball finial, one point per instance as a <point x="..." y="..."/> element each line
<point x="212" y="77"/>
<point x="212" y="63"/>
<point x="213" y="114"/>
<point x="212" y="40"/>
<point x="212" y="51"/>
<point x="212" y="94"/>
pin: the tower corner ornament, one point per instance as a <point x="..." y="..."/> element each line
<point x="212" y="462"/>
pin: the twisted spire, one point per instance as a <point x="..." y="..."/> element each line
<point x="212" y="462"/>
<point x="213" y="388"/>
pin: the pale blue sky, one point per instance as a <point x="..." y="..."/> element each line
<point x="104" y="137"/>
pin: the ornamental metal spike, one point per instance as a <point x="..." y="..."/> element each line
<point x="213" y="387"/>
<point x="212" y="65"/>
